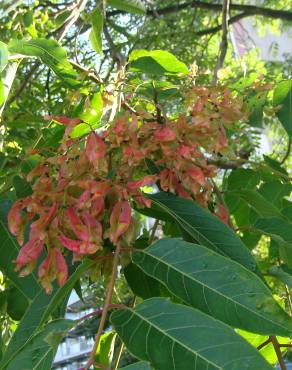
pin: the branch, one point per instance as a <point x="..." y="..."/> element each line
<point x="117" y="56"/>
<point x="250" y="10"/>
<point x="224" y="41"/>
<point x="215" y="29"/>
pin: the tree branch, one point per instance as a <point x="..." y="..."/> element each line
<point x="224" y="41"/>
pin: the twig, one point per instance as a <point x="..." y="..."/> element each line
<point x="266" y="342"/>
<point x="288" y="151"/>
<point x="154" y="228"/>
<point x="288" y="298"/>
<point x="224" y="41"/>
<point x="278" y="352"/>
<point x="106" y="306"/>
<point x="90" y="74"/>
<point x="285" y="345"/>
<point x="117" y="56"/>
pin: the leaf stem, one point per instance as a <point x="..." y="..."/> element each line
<point x="278" y="352"/>
<point x="107" y="305"/>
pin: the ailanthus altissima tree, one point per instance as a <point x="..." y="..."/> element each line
<point x="87" y="155"/>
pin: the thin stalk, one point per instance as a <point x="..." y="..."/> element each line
<point x="106" y="306"/>
<point x="278" y="352"/>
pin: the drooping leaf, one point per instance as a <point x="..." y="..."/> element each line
<point x="214" y="284"/>
<point x="95" y="35"/>
<point x="105" y="350"/>
<point x="35" y="353"/>
<point x="141" y="284"/>
<point x="3" y="56"/>
<point x="131" y="6"/>
<point x="156" y="62"/>
<point x="202" y="227"/>
<point x="50" y="53"/>
<point x="173" y="336"/>
<point x="140" y="365"/>
<point x="283" y="99"/>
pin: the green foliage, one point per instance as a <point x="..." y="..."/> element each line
<point x="95" y="35"/>
<point x="131" y="6"/>
<point x="282" y="100"/>
<point x="168" y="335"/>
<point x="51" y="54"/>
<point x="156" y="62"/>
<point x="215" y="285"/>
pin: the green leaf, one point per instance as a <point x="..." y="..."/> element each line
<point x="243" y="178"/>
<point x="283" y="98"/>
<point x="140" y="365"/>
<point x="95" y="35"/>
<point x="131" y="6"/>
<point x="3" y="56"/>
<point x="38" y="312"/>
<point x="256" y="103"/>
<point x="16" y="303"/>
<point x="279" y="229"/>
<point x="274" y="191"/>
<point x="214" y="284"/>
<point x="141" y="284"/>
<point x="281" y="232"/>
<point x="34" y="354"/>
<point x="92" y="110"/>
<point x="156" y="62"/>
<point x="173" y="336"/>
<point x="105" y="350"/>
<point x="51" y="54"/>
<point x="22" y="187"/>
<point x="283" y="273"/>
<point x="9" y="249"/>
<point x="202" y="227"/>
<point x="261" y="206"/>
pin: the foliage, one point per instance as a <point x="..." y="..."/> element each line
<point x="102" y="126"/>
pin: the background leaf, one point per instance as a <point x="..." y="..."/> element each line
<point x="283" y="98"/>
<point x="95" y="35"/>
<point x="3" y="56"/>
<point x="131" y="6"/>
<point x="51" y="54"/>
<point x="156" y="62"/>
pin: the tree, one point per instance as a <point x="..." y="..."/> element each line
<point x="106" y="119"/>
